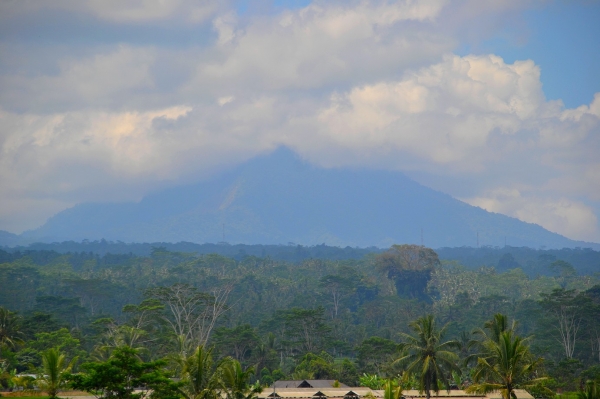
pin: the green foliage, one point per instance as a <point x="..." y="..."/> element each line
<point x="236" y="342"/>
<point x="505" y="365"/>
<point x="304" y="330"/>
<point x="316" y="367"/>
<point x="590" y="391"/>
<point x="410" y="266"/>
<point x="376" y="354"/>
<point x="591" y="373"/>
<point x="121" y="374"/>
<point x="372" y="381"/>
<point x="23" y="382"/>
<point x="38" y="322"/>
<point x="66" y="310"/>
<point x="428" y="356"/>
<point x="61" y="339"/>
<point x="544" y="389"/>
<point x="266" y="378"/>
<point x="10" y="329"/>
<point x="199" y="375"/>
<point x="346" y="312"/>
<point x="54" y="371"/>
<point x="347" y="372"/>
<point x="392" y="390"/>
<point x="19" y="282"/>
<point x="235" y="381"/>
<point x="567" y="374"/>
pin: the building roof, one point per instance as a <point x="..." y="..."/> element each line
<point x="360" y="392"/>
<point x="299" y="393"/>
<point x="457" y="393"/>
<point x="308" y="384"/>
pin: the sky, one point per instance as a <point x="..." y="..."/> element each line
<point x="496" y="103"/>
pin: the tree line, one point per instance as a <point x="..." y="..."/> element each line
<point x="360" y="322"/>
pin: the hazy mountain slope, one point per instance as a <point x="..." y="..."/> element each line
<point x="11" y="240"/>
<point x="280" y="199"/>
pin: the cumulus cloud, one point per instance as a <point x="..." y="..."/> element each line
<point x="565" y="216"/>
<point x="121" y="145"/>
<point x="322" y="45"/>
<point x="368" y="83"/>
<point x="110" y="78"/>
<point x="444" y="114"/>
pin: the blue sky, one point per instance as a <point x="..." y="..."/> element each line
<point x="495" y="102"/>
<point x="561" y="37"/>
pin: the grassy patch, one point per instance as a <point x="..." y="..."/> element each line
<point x="566" y="395"/>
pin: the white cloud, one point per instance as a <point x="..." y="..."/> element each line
<point x="370" y="83"/>
<point x="111" y="78"/>
<point x="322" y="44"/>
<point x="225" y="100"/>
<point x="444" y="114"/>
<point x="50" y="155"/>
<point x="571" y="218"/>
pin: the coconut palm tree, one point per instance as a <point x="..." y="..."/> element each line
<point x="10" y="329"/>
<point x="54" y="368"/>
<point x="506" y="364"/>
<point x="491" y="331"/>
<point x="591" y="391"/>
<point x="235" y="381"/>
<point x="392" y="390"/>
<point x="200" y="376"/>
<point x="427" y="356"/>
<point x="496" y="326"/>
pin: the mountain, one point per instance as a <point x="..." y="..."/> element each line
<point x="11" y="240"/>
<point x="278" y="199"/>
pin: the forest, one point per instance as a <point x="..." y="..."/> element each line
<point x="362" y="318"/>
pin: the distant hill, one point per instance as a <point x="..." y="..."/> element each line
<point x="103" y="248"/>
<point x="279" y="199"/>
<point x="10" y="240"/>
<point x="533" y="262"/>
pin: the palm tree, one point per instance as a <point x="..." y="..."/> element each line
<point x="591" y="391"/>
<point x="199" y="375"/>
<point x="54" y="368"/>
<point x="235" y="381"/>
<point x="116" y="336"/>
<point x="427" y="356"/>
<point x="392" y="390"/>
<point x="495" y="327"/>
<point x="507" y="364"/>
<point x="10" y="333"/>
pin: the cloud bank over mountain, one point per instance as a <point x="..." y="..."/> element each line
<point x="108" y="101"/>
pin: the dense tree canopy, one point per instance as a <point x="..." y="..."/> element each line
<point x="411" y="267"/>
<point x="188" y="315"/>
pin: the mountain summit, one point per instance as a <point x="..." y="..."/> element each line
<point x="278" y="198"/>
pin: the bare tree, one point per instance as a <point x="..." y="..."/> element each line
<point x="564" y="306"/>
<point x="192" y="314"/>
<point x="568" y="327"/>
<point x="338" y="287"/>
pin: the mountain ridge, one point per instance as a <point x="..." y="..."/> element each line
<point x="278" y="198"/>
